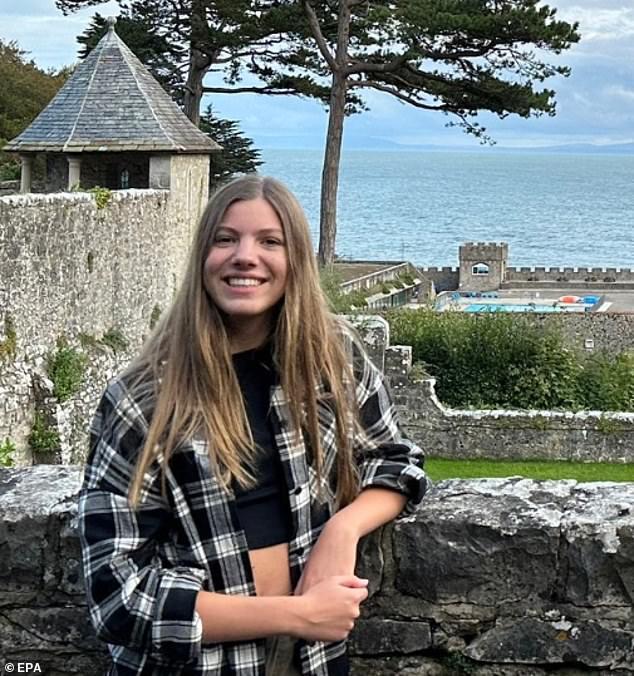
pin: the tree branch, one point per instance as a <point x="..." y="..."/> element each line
<point x="397" y="94"/>
<point x="315" y="29"/>
<point x="249" y="90"/>
<point x="369" y="67"/>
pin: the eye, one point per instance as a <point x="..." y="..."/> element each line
<point x="273" y="241"/>
<point x="223" y="238"/>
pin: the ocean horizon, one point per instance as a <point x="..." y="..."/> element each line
<point x="553" y="209"/>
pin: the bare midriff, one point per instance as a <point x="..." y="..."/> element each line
<point x="271" y="570"/>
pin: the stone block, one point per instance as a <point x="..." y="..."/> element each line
<point x="380" y="636"/>
<point x="486" y="543"/>
<point x="531" y="640"/>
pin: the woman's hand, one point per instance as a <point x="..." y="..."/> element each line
<point x="334" y="553"/>
<point x="330" y="608"/>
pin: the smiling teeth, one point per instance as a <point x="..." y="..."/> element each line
<point x="241" y="281"/>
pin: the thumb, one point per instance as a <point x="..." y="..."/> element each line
<point x="353" y="581"/>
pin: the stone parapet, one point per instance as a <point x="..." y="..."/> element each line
<point x="504" y="577"/>
<point x="585" y="436"/>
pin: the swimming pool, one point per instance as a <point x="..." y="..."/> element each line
<point x="508" y="307"/>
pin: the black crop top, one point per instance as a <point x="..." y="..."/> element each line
<point x="264" y="510"/>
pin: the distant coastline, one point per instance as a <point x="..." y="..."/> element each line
<point x="380" y="145"/>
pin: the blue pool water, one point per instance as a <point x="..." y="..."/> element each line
<point x="503" y="307"/>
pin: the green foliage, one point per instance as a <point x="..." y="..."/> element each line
<point x="7" y="451"/>
<point x="155" y="316"/>
<point x="44" y="438"/>
<point x="505" y="361"/>
<point x="339" y="301"/>
<point x="87" y="340"/>
<point x="449" y="468"/>
<point x="25" y="91"/>
<point x="237" y="156"/>
<point x="407" y="278"/>
<point x="9" y="344"/>
<point x="66" y="368"/>
<point x="607" y="382"/>
<point x="115" y="340"/>
<point x="102" y="196"/>
<point x="607" y="425"/>
<point x="10" y="169"/>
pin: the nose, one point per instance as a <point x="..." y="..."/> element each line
<point x="244" y="253"/>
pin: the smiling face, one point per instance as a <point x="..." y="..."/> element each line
<point x="246" y="269"/>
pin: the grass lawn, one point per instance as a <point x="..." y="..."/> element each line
<point x="442" y="468"/>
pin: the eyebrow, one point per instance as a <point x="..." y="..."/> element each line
<point x="261" y="231"/>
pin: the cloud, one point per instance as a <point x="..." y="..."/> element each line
<point x="599" y="22"/>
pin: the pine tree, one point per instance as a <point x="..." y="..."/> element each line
<point x="238" y="156"/>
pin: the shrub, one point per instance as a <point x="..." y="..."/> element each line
<point x="114" y="339"/>
<point x="66" y="368"/>
<point x="490" y="361"/>
<point x="607" y="382"/>
<point x="9" y="344"/>
<point x="7" y="450"/>
<point x="339" y="301"/>
<point x="43" y="438"/>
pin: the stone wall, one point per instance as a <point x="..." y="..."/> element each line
<point x="569" y="274"/>
<point x="612" y="332"/>
<point x="70" y="267"/>
<point x="444" y="278"/>
<point x="512" y="435"/>
<point x="503" y="577"/>
<point x="96" y="279"/>
<point x="586" y="436"/>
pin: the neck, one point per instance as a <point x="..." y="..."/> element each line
<point x="247" y="334"/>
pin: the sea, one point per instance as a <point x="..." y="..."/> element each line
<point x="552" y="209"/>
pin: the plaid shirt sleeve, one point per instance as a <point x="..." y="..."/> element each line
<point x="386" y="458"/>
<point x="133" y="600"/>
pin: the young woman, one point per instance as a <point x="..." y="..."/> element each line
<point x="237" y="462"/>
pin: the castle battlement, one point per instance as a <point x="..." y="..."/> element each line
<point x="483" y="251"/>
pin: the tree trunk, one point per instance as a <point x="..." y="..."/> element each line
<point x="199" y="61"/>
<point x="330" y="171"/>
<point x="198" y="66"/>
<point x="334" y="139"/>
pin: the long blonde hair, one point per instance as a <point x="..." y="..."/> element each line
<point x="187" y="360"/>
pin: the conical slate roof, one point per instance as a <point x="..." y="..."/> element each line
<point x="112" y="103"/>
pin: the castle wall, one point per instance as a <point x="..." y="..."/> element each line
<point x="586" y="436"/>
<point x="444" y="278"/>
<point x="69" y="267"/>
<point x="74" y="272"/>
<point x="604" y="278"/>
<point x="608" y="331"/>
<point x="493" y="576"/>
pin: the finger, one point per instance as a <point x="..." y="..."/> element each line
<point x="351" y="581"/>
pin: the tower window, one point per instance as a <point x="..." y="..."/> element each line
<point x="480" y="269"/>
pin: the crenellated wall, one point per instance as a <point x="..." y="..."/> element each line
<point x="491" y="577"/>
<point x="444" y="278"/>
<point x="565" y="275"/>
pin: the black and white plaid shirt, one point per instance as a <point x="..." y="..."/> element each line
<point x="144" y="568"/>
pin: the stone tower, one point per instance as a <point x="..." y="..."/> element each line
<point x="482" y="265"/>
<point x="112" y="125"/>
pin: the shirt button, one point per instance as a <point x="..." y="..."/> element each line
<point x="298" y="490"/>
<point x="300" y="551"/>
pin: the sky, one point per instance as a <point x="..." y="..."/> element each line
<point x="594" y="105"/>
